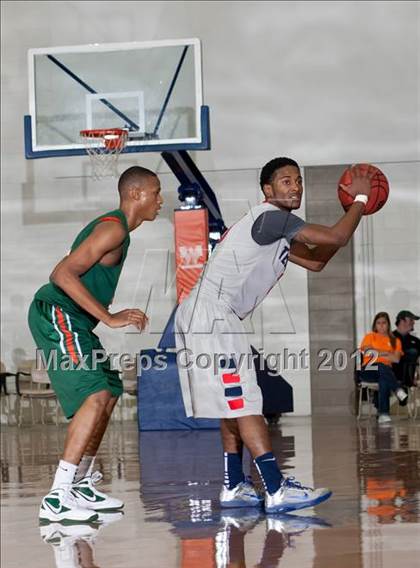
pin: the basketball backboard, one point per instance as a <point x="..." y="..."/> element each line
<point x="154" y="89"/>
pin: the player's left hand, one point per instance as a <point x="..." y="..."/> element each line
<point x="140" y="320"/>
<point x="123" y="318"/>
<point x="360" y="181"/>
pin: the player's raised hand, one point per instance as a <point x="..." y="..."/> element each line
<point x="360" y="181"/>
<point x="128" y="317"/>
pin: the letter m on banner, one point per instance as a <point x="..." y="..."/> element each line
<point x="191" y="248"/>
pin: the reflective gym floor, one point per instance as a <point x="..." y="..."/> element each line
<point x="170" y="482"/>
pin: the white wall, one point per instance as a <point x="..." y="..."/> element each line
<point x="324" y="82"/>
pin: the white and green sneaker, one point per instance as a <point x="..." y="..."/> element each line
<point x="59" y="506"/>
<point x="88" y="496"/>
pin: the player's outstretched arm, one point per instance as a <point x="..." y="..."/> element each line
<point x="313" y="259"/>
<point x="330" y="239"/>
<point x="105" y="238"/>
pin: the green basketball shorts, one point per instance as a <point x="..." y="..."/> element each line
<point x="75" y="359"/>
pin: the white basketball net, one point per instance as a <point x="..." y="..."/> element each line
<point x="104" y="149"/>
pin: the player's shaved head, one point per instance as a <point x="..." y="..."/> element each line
<point x="134" y="177"/>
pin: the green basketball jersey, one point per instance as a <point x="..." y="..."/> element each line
<point x="100" y="280"/>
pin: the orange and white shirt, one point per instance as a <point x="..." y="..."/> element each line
<point x="380" y="343"/>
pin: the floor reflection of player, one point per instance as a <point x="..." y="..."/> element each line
<point x="184" y="492"/>
<point x="74" y="545"/>
<point x="280" y="530"/>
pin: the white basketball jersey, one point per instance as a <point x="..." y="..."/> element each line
<point x="250" y="258"/>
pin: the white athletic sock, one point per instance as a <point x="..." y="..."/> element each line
<point x="84" y="468"/>
<point x="64" y="474"/>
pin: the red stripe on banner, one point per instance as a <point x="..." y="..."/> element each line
<point x="229" y="378"/>
<point x="116" y="219"/>
<point x="236" y="404"/>
<point x="68" y="337"/>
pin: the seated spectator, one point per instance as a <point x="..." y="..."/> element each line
<point x="380" y="350"/>
<point x="405" y="369"/>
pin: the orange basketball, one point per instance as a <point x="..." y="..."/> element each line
<point x="378" y="194"/>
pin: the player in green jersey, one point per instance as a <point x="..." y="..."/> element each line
<point x="62" y="317"/>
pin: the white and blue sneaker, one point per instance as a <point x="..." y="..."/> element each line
<point x="87" y="495"/>
<point x="243" y="495"/>
<point x="292" y="496"/>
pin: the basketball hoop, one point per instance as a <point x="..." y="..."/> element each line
<point x="104" y="146"/>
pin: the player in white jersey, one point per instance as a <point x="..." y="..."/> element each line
<point x="217" y="380"/>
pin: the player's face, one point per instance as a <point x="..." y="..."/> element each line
<point x="381" y="326"/>
<point x="150" y="200"/>
<point x="286" y="188"/>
